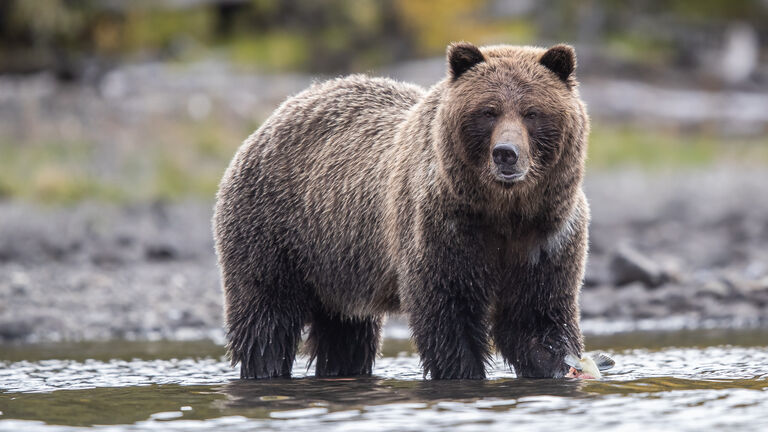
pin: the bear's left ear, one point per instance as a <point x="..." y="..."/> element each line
<point x="462" y="56"/>
<point x="560" y="59"/>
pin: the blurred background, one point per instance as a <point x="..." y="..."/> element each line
<point x="117" y="119"/>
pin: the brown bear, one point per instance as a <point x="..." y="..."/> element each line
<point x="460" y="206"/>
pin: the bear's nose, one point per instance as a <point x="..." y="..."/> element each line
<point x="505" y="154"/>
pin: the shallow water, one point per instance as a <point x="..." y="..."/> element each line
<point x="680" y="381"/>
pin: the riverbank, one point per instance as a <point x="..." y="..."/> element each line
<point x="668" y="250"/>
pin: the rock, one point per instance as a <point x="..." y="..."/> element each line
<point x="5" y="253"/>
<point x="763" y="284"/>
<point x="627" y="265"/>
<point x="160" y="252"/>
<point x="679" y="299"/>
<point x="751" y="291"/>
<point x="103" y="256"/>
<point x="646" y="311"/>
<point x="12" y="330"/>
<point x="597" y="302"/>
<point x="597" y="272"/>
<point x="715" y="288"/>
<point x="20" y="283"/>
<point x="749" y="286"/>
<point x="625" y="302"/>
<point x="739" y="287"/>
<point x="190" y="319"/>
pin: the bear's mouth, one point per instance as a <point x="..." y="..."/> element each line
<point x="510" y="177"/>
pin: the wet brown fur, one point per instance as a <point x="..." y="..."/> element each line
<point x="362" y="196"/>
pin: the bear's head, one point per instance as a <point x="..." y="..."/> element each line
<point x="511" y="117"/>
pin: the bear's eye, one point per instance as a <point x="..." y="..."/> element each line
<point x="531" y="115"/>
<point x="490" y="113"/>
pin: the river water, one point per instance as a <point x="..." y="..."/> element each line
<point x="685" y="380"/>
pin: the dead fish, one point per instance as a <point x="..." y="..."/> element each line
<point x="588" y="367"/>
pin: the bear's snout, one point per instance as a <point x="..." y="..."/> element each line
<point x="506" y="156"/>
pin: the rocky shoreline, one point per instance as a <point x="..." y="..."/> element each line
<point x="667" y="249"/>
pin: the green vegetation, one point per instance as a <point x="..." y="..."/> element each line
<point x="333" y="36"/>
<point x="189" y="159"/>
<point x="639" y="48"/>
<point x="276" y="51"/>
<point x="48" y="171"/>
<point x="620" y="146"/>
<point x="187" y="162"/>
<point x="435" y="22"/>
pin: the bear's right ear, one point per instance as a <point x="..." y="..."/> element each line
<point x="462" y="56"/>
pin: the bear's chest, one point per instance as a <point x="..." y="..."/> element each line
<point x="506" y="249"/>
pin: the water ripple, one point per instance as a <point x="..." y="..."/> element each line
<point x="721" y="387"/>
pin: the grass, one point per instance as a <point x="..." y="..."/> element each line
<point x="273" y="52"/>
<point x="55" y="171"/>
<point x="188" y="160"/>
<point x="639" y="48"/>
<point x="612" y="147"/>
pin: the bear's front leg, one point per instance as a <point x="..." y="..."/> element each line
<point x="446" y="294"/>
<point x="536" y="318"/>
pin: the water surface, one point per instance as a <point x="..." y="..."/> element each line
<point x="681" y="381"/>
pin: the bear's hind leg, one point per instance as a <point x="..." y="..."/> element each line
<point x="343" y="346"/>
<point x="264" y="342"/>
<point x="265" y="317"/>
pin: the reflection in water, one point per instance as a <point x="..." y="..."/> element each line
<point x="722" y="387"/>
<point x="105" y="406"/>
<point x="248" y="398"/>
<point x="279" y="404"/>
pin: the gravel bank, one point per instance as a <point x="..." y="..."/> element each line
<point x="688" y="248"/>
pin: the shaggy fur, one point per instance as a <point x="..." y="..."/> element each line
<point x="362" y="196"/>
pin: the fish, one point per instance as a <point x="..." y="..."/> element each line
<point x="588" y="367"/>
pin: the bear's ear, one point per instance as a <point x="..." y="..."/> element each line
<point x="462" y="56"/>
<point x="560" y="59"/>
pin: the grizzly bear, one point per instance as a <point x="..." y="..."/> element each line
<point x="460" y="206"/>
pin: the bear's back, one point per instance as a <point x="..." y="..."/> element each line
<point x="348" y="119"/>
<point x="360" y="94"/>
